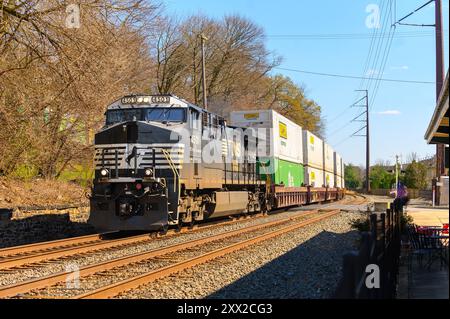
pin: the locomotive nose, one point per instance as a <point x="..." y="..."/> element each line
<point x="125" y="209"/>
<point x="136" y="132"/>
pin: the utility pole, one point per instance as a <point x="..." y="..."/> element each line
<point x="367" y="135"/>
<point x="396" y="176"/>
<point x="440" y="148"/>
<point x="367" y="143"/>
<point x="205" y="100"/>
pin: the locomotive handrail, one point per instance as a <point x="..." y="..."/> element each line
<point x="174" y="170"/>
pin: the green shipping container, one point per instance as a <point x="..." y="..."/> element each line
<point x="282" y="172"/>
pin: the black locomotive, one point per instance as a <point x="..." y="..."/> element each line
<point x="162" y="161"/>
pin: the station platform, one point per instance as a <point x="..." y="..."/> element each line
<point x="416" y="280"/>
<point x="428" y="216"/>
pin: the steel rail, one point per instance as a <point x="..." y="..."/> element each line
<point x="28" y="285"/>
<point x="132" y="283"/>
<point x="38" y="253"/>
<point x="36" y="247"/>
<point x="69" y="251"/>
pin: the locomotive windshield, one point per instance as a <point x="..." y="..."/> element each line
<point x="147" y="114"/>
<point x="165" y="115"/>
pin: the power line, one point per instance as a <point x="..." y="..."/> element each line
<point x="346" y="109"/>
<point x="354" y="77"/>
<point x="380" y="43"/>
<point x="411" y="13"/>
<point x="384" y="59"/>
<point x="355" y="36"/>
<point x="383" y="67"/>
<point x="369" y="55"/>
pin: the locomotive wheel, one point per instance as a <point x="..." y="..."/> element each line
<point x="268" y="208"/>
<point x="164" y="230"/>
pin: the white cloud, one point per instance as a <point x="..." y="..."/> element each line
<point x="389" y="112"/>
<point x="371" y="72"/>
<point x="402" y="67"/>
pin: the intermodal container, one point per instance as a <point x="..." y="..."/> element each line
<point x="280" y="150"/>
<point x="312" y="151"/>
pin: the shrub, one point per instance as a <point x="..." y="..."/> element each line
<point x="361" y="224"/>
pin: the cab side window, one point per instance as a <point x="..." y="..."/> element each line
<point x="195" y="119"/>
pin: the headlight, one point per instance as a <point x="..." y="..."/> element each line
<point x="104" y="172"/>
<point x="148" y="172"/>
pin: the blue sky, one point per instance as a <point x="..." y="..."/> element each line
<point x="401" y="111"/>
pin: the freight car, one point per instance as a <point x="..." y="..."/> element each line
<point x="162" y="161"/>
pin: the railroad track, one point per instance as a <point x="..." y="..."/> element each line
<point x="26" y="255"/>
<point x="110" y="278"/>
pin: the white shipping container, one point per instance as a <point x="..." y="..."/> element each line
<point x="329" y="179"/>
<point x="283" y="137"/>
<point x="312" y="150"/>
<point x="314" y="177"/>
<point x="328" y="158"/>
<point x="337" y="164"/>
<point x="338" y="182"/>
<point x="339" y="171"/>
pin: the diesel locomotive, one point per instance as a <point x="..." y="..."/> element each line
<point x="161" y="161"/>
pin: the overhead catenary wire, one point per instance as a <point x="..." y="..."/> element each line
<point x="411" y="13"/>
<point x="354" y="77"/>
<point x="384" y="60"/>
<point x="355" y="36"/>
<point x="375" y="34"/>
<point x="379" y="45"/>
<point x="345" y="110"/>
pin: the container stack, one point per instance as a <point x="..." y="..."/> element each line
<point x="291" y="156"/>
<point x="338" y="171"/>
<point x="313" y="159"/>
<point x="328" y="165"/>
<point x="281" y="160"/>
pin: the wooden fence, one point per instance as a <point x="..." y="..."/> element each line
<point x="380" y="247"/>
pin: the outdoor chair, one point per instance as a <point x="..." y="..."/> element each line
<point x="418" y="245"/>
<point x="430" y="241"/>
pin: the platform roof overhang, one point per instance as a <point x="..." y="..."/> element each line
<point x="438" y="129"/>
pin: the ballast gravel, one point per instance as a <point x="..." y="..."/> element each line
<point x="12" y="276"/>
<point x="306" y="263"/>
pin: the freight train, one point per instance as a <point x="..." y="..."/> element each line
<point x="161" y="161"/>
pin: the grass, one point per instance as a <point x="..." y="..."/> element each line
<point x="25" y="172"/>
<point x="361" y="224"/>
<point x="80" y="174"/>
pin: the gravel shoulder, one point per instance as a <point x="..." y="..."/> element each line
<point x="11" y="276"/>
<point x="306" y="264"/>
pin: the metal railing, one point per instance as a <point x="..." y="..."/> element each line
<point x="378" y="257"/>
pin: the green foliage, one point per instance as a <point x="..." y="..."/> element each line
<point x="352" y="175"/>
<point x="406" y="220"/>
<point x="361" y="224"/>
<point x="80" y="174"/>
<point x="380" y="178"/>
<point x="293" y="103"/>
<point x="415" y="175"/>
<point x="25" y="171"/>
